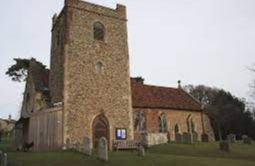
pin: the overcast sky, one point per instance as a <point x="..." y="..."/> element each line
<point x="208" y="42"/>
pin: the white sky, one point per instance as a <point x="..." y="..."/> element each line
<point x="208" y="42"/>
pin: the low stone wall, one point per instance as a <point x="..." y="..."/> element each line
<point x="150" y="139"/>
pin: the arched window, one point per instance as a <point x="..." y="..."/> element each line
<point x="176" y="128"/>
<point x="99" y="31"/>
<point x="162" y="123"/>
<point x="188" y="124"/>
<point x="193" y="126"/>
<point x="99" y="67"/>
<point x="140" y="121"/>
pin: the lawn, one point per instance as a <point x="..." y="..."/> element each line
<point x="163" y="155"/>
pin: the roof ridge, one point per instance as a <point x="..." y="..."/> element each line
<point x="156" y="86"/>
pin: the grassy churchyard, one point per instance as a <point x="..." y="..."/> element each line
<point x="201" y="154"/>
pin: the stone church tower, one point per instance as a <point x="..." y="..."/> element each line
<point x="90" y="71"/>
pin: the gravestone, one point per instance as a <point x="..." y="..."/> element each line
<point x="68" y="144"/>
<point x="169" y="137"/>
<point x="1" y="157"/>
<point x="205" y="138"/>
<point x="87" y="146"/>
<point x="5" y="159"/>
<point x="141" y="151"/>
<point x="231" y="138"/>
<point x="0" y="136"/>
<point x="244" y="136"/>
<point x="247" y="140"/>
<point x="76" y="146"/>
<point x="79" y="147"/>
<point x="187" y="138"/>
<point x="178" y="138"/>
<point x="224" y="146"/>
<point x="64" y="147"/>
<point x="195" y="137"/>
<point x="145" y="140"/>
<point x="102" y="150"/>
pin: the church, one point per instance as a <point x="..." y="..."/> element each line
<point x="88" y="92"/>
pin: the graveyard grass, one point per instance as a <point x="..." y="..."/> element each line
<point x="202" y="154"/>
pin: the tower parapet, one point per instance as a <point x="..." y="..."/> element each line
<point x="119" y="12"/>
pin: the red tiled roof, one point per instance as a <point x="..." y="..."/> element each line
<point x="146" y="96"/>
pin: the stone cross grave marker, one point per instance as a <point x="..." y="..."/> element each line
<point x="102" y="150"/>
<point x="87" y="146"/>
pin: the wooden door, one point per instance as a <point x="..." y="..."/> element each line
<point x="100" y="129"/>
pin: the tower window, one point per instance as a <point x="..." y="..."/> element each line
<point x="99" y="31"/>
<point x="99" y="67"/>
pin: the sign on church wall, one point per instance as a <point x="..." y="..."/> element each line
<point x="121" y="134"/>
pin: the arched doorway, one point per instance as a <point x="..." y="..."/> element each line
<point x="100" y="129"/>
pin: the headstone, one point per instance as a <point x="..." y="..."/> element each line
<point x="102" y="150"/>
<point x="64" y="147"/>
<point x="79" y="147"/>
<point x="0" y="136"/>
<point x="141" y="151"/>
<point x="224" y="146"/>
<point x="1" y="157"/>
<point x="169" y="137"/>
<point x="244" y="136"/>
<point x="187" y="138"/>
<point x="195" y="136"/>
<point x="87" y="146"/>
<point x="68" y="143"/>
<point x="205" y="138"/>
<point x="145" y="140"/>
<point x="5" y="159"/>
<point x="178" y="138"/>
<point x="231" y="138"/>
<point x="247" y="140"/>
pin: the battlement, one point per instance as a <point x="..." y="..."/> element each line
<point x="119" y="12"/>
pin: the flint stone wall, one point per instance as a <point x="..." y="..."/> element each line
<point x="88" y="93"/>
